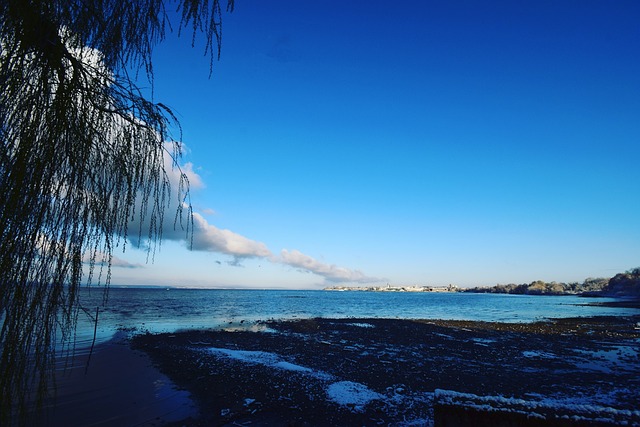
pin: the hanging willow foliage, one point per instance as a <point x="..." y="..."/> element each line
<point x="81" y="157"/>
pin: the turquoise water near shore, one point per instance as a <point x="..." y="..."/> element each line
<point x="168" y="310"/>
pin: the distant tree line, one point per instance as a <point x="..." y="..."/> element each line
<point x="621" y="285"/>
<point x="624" y="284"/>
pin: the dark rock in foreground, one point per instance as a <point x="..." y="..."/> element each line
<point x="452" y="409"/>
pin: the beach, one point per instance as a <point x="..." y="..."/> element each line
<point x="113" y="385"/>
<point x="362" y="371"/>
<point x="280" y="358"/>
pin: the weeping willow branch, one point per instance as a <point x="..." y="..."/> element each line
<point x="81" y="158"/>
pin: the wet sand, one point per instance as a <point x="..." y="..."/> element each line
<point x="119" y="387"/>
<point x="319" y="372"/>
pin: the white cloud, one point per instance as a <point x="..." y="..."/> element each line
<point x="102" y="258"/>
<point x="203" y="236"/>
<point x="207" y="237"/>
<point x="119" y="262"/>
<point x="331" y="272"/>
<point x="195" y="182"/>
<point x="207" y="211"/>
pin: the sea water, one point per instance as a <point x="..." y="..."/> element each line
<point x="170" y="310"/>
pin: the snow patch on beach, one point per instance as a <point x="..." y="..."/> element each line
<point x="449" y="337"/>
<point x="267" y="359"/>
<point x="539" y="354"/>
<point x="345" y="393"/>
<point x="398" y="399"/>
<point x="361" y="325"/>
<point x="483" y="341"/>
<point x="609" y="359"/>
<point x="351" y="393"/>
<point x="543" y="408"/>
<point x="602" y="398"/>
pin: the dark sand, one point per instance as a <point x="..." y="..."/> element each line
<point x="346" y="372"/>
<point x="120" y="387"/>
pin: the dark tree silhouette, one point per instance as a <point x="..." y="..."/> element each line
<point x="82" y="156"/>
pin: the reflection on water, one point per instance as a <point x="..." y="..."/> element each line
<point x="162" y="310"/>
<point x="117" y="387"/>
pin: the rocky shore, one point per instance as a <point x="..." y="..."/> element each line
<point x="318" y="372"/>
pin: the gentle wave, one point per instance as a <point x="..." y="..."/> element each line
<point x="160" y="310"/>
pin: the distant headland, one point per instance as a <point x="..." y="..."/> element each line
<point x="622" y="285"/>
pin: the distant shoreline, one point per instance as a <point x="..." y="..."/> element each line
<point x="390" y="288"/>
<point x="621" y="301"/>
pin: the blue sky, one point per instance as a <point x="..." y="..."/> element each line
<point x="436" y="142"/>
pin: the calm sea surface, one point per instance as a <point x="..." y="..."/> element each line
<point x="162" y="310"/>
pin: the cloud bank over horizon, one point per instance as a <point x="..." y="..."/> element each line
<point x="331" y="273"/>
<point x="206" y="237"/>
<point x="102" y="258"/>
